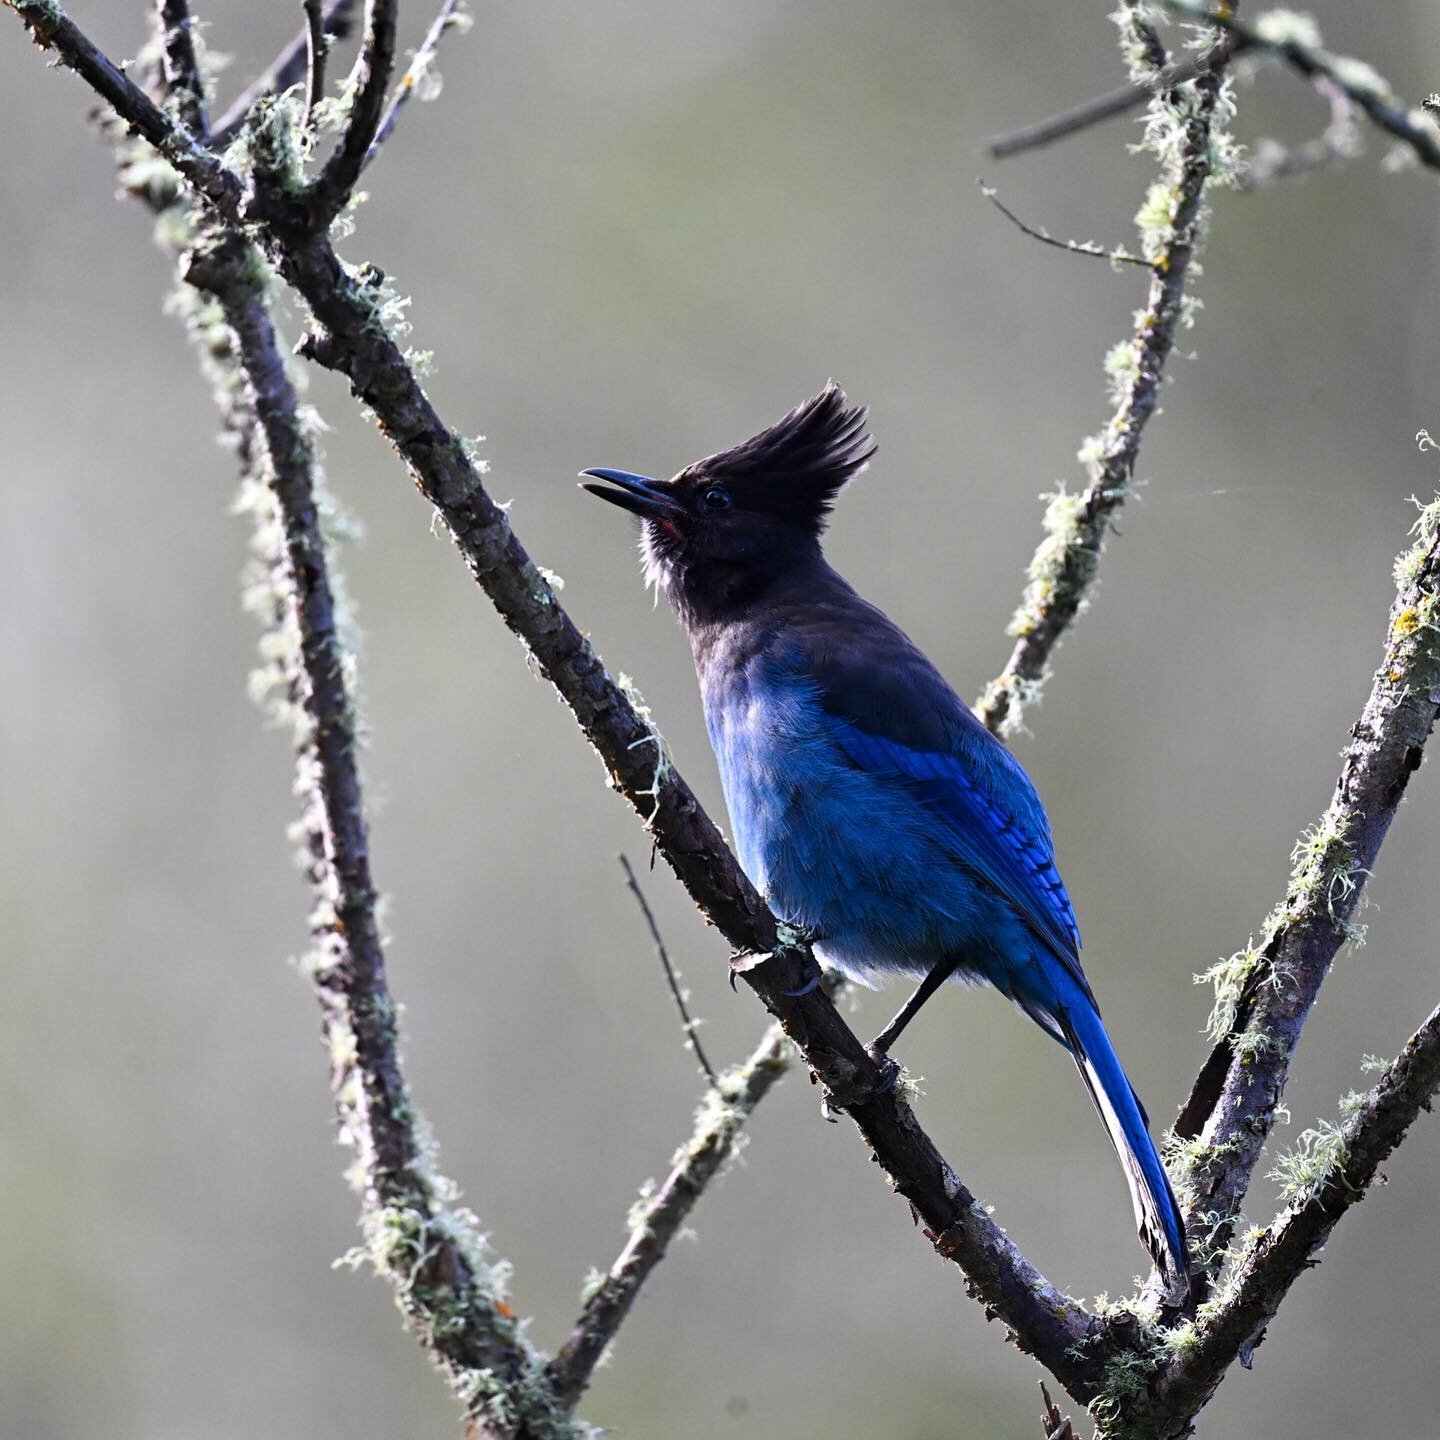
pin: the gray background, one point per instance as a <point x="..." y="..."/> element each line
<point x="634" y="233"/>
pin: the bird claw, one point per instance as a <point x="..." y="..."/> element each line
<point x="889" y="1072"/>
<point x="813" y="983"/>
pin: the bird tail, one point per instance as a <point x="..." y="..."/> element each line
<point x="1157" y="1213"/>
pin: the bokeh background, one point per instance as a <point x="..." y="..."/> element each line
<point x="634" y="233"/>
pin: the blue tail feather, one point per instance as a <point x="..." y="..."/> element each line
<point x="1157" y="1213"/>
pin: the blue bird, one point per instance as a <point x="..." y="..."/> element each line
<point x="868" y="804"/>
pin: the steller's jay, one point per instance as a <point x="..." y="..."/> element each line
<point x="868" y="804"/>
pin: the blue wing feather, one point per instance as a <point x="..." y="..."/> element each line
<point x="1007" y="854"/>
<point x="894" y="713"/>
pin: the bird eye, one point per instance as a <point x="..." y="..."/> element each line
<point x="716" y="498"/>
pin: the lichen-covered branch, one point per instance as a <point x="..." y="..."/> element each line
<point x="1264" y="993"/>
<point x="660" y="1213"/>
<point x="1185" y="131"/>
<point x="1294" y="40"/>
<point x="53" y="30"/>
<point x="450" y="1291"/>
<point x="288" y="68"/>
<point x="1349" y="1161"/>
<point x="351" y="335"/>
<point x="330" y="191"/>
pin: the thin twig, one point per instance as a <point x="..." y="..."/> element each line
<point x="288" y="68"/>
<point x="331" y="190"/>
<point x="1265" y="993"/>
<point x="1064" y="567"/>
<point x="184" y="83"/>
<point x="691" y="1027"/>
<point x="1117" y="256"/>
<point x="317" y="47"/>
<point x="719" y="1121"/>
<point x="419" y="67"/>
<point x="1106" y="107"/>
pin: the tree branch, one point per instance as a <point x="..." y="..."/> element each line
<point x="1294" y="40"/>
<point x="1264" y="993"/>
<point x="52" y="29"/>
<point x="184" y="84"/>
<point x="1063" y="568"/>
<point x="717" y="1138"/>
<point x="420" y="66"/>
<point x="316" y="49"/>
<point x="351" y="336"/>
<point x="330" y="191"/>
<point x="288" y="68"/>
<point x="1272" y="1262"/>
<point x="1107" y="107"/>
<point x="450" y="1291"/>
<point x="690" y="1026"/>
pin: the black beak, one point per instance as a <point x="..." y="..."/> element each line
<point x="635" y="493"/>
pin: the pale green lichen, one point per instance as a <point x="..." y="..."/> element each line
<point x="1287" y="27"/>
<point x="1318" y="1156"/>
<point x="1062" y="566"/>
<point x="663" y="767"/>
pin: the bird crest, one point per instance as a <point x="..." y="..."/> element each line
<point x="796" y="467"/>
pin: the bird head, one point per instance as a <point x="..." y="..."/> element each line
<point x="719" y="531"/>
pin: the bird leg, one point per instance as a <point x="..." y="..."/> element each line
<point x="938" y="975"/>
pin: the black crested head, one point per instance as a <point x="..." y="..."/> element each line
<point x="717" y="535"/>
<point x="793" y="470"/>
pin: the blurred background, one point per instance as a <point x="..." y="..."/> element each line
<point x="634" y="234"/>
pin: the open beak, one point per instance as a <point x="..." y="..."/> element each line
<point x="636" y="493"/>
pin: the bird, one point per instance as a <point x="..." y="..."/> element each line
<point x="868" y="804"/>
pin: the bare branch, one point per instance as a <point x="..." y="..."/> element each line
<point x="1117" y="256"/>
<point x="1272" y="1262"/>
<point x="288" y="68"/>
<point x="1294" y="41"/>
<point x="1265" y="992"/>
<point x="1063" y="568"/>
<point x="450" y="16"/>
<point x="184" y="84"/>
<point x="1106" y="107"/>
<point x="723" y="1111"/>
<point x="330" y="191"/>
<point x="690" y="1026"/>
<point x="317" y="47"/>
